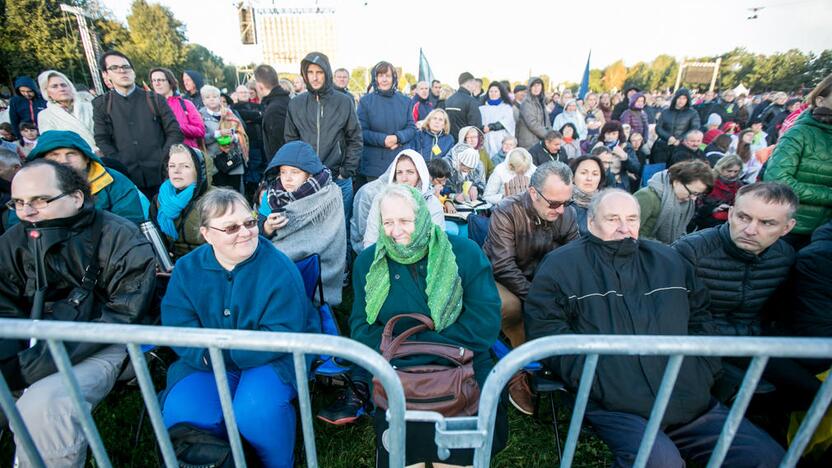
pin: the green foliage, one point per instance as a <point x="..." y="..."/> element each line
<point x="615" y="75"/>
<point x="157" y="39"/>
<point x="359" y="79"/>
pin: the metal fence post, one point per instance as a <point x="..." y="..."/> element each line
<point x="227" y="404"/>
<point x="18" y="426"/>
<point x="587" y="377"/>
<point x="657" y="413"/>
<point x="305" y="411"/>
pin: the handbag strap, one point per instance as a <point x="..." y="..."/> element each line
<point x="92" y="269"/>
<point x="395" y="348"/>
<point x="387" y="340"/>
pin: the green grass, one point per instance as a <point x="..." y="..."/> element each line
<point x="531" y="441"/>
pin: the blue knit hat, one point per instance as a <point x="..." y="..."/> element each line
<point x="297" y="154"/>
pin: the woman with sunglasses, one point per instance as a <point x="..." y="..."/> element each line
<point x="173" y="208"/>
<point x="302" y="213"/>
<point x="237" y="281"/>
<point x="668" y="202"/>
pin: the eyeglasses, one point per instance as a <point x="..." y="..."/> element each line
<point x="553" y="205"/>
<point x="122" y="68"/>
<point x="691" y="193"/>
<point x="37" y="203"/>
<point x="234" y="228"/>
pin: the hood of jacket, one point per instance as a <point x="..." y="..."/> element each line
<point x="27" y="82"/>
<point x="43" y="81"/>
<point x="464" y="131"/>
<point x="823" y="233"/>
<point x="374" y="83"/>
<point x="196" y="76"/>
<point x="297" y="154"/>
<point x="680" y="92"/>
<point x="322" y="61"/>
<point x="55" y="139"/>
<point x="418" y="161"/>
<point x="633" y="100"/>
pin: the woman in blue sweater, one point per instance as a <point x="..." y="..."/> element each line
<point x="434" y="141"/>
<point x="386" y="123"/>
<point x="211" y="287"/>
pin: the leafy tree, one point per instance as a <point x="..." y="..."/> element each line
<point x="595" y="77"/>
<point x="157" y="39"/>
<point x="206" y="62"/>
<point x="615" y="75"/>
<point x="819" y="67"/>
<point x="359" y="79"/>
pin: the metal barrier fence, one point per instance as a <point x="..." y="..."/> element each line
<point x="298" y="344"/>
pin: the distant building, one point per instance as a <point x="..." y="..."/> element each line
<point x="287" y="34"/>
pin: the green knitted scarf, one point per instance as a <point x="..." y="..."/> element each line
<point x="444" y="287"/>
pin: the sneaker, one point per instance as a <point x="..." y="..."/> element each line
<point x="347" y="407"/>
<point x="520" y="394"/>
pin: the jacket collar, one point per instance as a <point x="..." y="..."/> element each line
<point x="55" y="231"/>
<point x="615" y="249"/>
<point x="732" y="250"/>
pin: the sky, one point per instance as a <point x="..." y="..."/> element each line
<point x="518" y="38"/>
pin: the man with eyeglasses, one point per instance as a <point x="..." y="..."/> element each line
<point x="522" y="230"/>
<point x="68" y="261"/>
<point x="133" y="126"/>
<point x="613" y="283"/>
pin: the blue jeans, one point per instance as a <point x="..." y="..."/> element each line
<point x="694" y="441"/>
<point x="346" y="195"/>
<point x="262" y="406"/>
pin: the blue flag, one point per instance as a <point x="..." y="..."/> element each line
<point x="585" y="80"/>
<point x="425" y="73"/>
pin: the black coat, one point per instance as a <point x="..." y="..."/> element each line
<point x="463" y="111"/>
<point x="676" y="122"/>
<point x="123" y="291"/>
<point x="275" y="107"/>
<point x="541" y="155"/>
<point x="683" y="153"/>
<point x="138" y="131"/>
<point x="739" y="283"/>
<point x="624" y="287"/>
<point x="811" y="287"/>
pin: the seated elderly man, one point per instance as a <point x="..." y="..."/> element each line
<point x="742" y="264"/>
<point x="610" y="282"/>
<point x="98" y="268"/>
<point x="522" y="230"/>
<point x="690" y="148"/>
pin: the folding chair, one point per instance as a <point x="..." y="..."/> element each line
<point x="649" y="170"/>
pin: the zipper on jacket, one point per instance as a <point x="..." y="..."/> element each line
<point x="318" y="116"/>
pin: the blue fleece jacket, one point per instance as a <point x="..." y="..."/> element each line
<point x="424" y="141"/>
<point x="383" y="113"/>
<point x="265" y="292"/>
<point x="23" y="110"/>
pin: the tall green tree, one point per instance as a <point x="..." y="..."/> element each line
<point x="157" y="39"/>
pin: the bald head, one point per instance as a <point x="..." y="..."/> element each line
<point x="614" y="214"/>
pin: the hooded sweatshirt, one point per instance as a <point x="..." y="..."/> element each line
<point x="112" y="191"/>
<point x="676" y="122"/>
<point x="21" y="109"/>
<point x="199" y="82"/>
<point x="383" y="113"/>
<point x="364" y="224"/>
<point x="534" y="120"/>
<point x="55" y="117"/>
<point x="636" y="118"/>
<point x="326" y="119"/>
<point x="575" y="118"/>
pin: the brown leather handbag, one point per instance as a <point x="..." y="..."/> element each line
<point x="451" y="389"/>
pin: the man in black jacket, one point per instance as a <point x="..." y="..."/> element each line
<point x="462" y="107"/>
<point x="610" y="282"/>
<point x="689" y="149"/>
<point x="811" y="287"/>
<point x="97" y="268"/>
<point x="327" y="120"/>
<point x="133" y="126"/>
<point x="252" y="114"/>
<point x="549" y="149"/>
<point x="274" y="102"/>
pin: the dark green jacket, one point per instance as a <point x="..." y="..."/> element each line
<point x="802" y="159"/>
<point x="477" y="326"/>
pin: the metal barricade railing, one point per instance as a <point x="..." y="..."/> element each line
<point x="478" y="432"/>
<point x="298" y="344"/>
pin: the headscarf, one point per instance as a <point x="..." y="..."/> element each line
<point x="444" y="286"/>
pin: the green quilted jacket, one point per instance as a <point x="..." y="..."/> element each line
<point x="803" y="160"/>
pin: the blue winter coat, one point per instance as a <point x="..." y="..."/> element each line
<point x="383" y="113"/>
<point x="19" y="107"/>
<point x="264" y="293"/>
<point x="424" y="141"/>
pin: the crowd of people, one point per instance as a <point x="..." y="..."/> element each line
<point x="501" y="214"/>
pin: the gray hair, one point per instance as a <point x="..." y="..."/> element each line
<point x="8" y="158"/>
<point x="693" y="132"/>
<point x="218" y="202"/>
<point x="209" y="90"/>
<point x="394" y="191"/>
<point x="601" y="195"/>
<point x="555" y="168"/>
<point x="509" y="138"/>
<point x="517" y="158"/>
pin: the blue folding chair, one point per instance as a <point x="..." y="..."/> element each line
<point x="650" y="170"/>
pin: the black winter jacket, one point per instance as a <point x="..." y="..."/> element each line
<point x="541" y="155"/>
<point x="739" y="283"/>
<point x="138" y="131"/>
<point x="628" y="287"/>
<point x="463" y="111"/>
<point x="327" y="120"/>
<point x="810" y="313"/>
<point x="676" y="122"/>
<point x="275" y="106"/>
<point x="123" y="291"/>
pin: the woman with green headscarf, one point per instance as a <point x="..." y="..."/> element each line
<point x="415" y="267"/>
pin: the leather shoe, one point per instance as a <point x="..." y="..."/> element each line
<point x="520" y="394"/>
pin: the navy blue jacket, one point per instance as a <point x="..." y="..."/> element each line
<point x="380" y="114"/>
<point x="264" y="293"/>
<point x="21" y="109"/>
<point x="424" y="141"/>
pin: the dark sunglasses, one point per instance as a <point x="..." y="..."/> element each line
<point x="553" y="205"/>
<point x="234" y="228"/>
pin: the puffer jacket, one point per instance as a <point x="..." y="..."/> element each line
<point x="123" y="292"/>
<point x="425" y="141"/>
<point x="534" y="120"/>
<point x="676" y="122"/>
<point x="383" y="113"/>
<point x="803" y="161"/>
<point x="463" y="110"/>
<point x="630" y="287"/>
<point x="739" y="283"/>
<point x="810" y="313"/>
<point x="518" y="239"/>
<point x="326" y="119"/>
